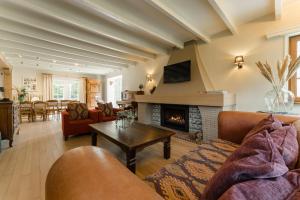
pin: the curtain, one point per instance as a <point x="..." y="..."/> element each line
<point x="82" y="90"/>
<point x="47" y="87"/>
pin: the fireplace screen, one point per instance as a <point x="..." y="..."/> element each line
<point x="175" y="117"/>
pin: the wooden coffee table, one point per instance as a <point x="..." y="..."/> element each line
<point x="130" y="139"/>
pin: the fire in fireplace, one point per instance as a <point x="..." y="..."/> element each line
<point x="175" y="116"/>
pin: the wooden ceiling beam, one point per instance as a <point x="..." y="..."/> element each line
<point x="15" y="38"/>
<point x="179" y="19"/>
<point x="88" y="23"/>
<point x="124" y="18"/>
<point x="16" y="23"/>
<point x="51" y="53"/>
<point x="216" y="5"/>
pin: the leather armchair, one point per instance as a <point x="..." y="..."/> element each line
<point x="75" y="127"/>
<point x="233" y="125"/>
<point x="96" y="175"/>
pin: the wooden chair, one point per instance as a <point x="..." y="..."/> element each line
<point x="63" y="104"/>
<point x="39" y="108"/>
<point x="74" y="101"/>
<point x="52" y="108"/>
<point x="26" y="109"/>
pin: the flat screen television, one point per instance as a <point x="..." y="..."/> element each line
<point x="177" y="73"/>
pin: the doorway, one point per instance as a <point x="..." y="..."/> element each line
<point x="114" y="89"/>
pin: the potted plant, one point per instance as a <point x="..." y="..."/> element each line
<point x="21" y="94"/>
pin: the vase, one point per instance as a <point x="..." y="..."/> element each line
<point x="279" y="100"/>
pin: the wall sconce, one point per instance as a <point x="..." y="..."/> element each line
<point x="149" y="78"/>
<point x="239" y="60"/>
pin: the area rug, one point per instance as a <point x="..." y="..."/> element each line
<point x="186" y="178"/>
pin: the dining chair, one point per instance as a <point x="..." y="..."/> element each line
<point x="39" y="108"/>
<point x="26" y="109"/>
<point x="51" y="108"/>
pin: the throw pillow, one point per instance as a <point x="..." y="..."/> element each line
<point x="283" y="187"/>
<point x="286" y="139"/>
<point x="284" y="135"/>
<point x="109" y="109"/>
<point x="257" y="157"/>
<point x="270" y="124"/>
<point x="101" y="107"/>
<point x="77" y="111"/>
<point x="297" y="126"/>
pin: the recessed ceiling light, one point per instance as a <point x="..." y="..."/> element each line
<point x="20" y="56"/>
<point x="54" y="61"/>
<point x="76" y="64"/>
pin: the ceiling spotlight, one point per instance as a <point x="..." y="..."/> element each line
<point x="20" y="56"/>
<point x="76" y="64"/>
<point x="54" y="61"/>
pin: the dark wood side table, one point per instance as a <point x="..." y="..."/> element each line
<point x="130" y="139"/>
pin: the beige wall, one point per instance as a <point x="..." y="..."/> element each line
<point x="218" y="56"/>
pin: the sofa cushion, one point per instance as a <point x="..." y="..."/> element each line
<point x="284" y="135"/>
<point x="186" y="178"/>
<point x="109" y="109"/>
<point x="283" y="187"/>
<point x="286" y="139"/>
<point x="269" y="123"/>
<point x="257" y="157"/>
<point x="297" y="126"/>
<point x="106" y="109"/>
<point x="77" y="111"/>
<point x="101" y="107"/>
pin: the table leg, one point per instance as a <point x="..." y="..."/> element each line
<point x="167" y="148"/>
<point x="94" y="138"/>
<point x="130" y="160"/>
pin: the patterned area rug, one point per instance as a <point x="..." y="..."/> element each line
<point x="186" y="178"/>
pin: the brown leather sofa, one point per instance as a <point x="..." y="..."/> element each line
<point x="98" y="175"/>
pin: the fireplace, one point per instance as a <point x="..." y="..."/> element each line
<point x="175" y="117"/>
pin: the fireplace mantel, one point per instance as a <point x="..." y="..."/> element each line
<point x="205" y="99"/>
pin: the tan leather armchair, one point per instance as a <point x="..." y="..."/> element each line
<point x="90" y="173"/>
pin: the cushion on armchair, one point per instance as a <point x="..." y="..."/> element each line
<point x="77" y="111"/>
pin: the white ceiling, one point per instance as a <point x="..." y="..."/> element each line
<point x="101" y="36"/>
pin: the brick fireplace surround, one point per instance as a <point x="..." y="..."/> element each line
<point x="203" y="110"/>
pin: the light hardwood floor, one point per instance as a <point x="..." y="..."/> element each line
<point x="24" y="168"/>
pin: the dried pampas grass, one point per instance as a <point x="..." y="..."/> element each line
<point x="285" y="71"/>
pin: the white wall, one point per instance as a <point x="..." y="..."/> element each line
<point x="19" y="73"/>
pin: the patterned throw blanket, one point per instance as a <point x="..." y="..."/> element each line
<point x="187" y="177"/>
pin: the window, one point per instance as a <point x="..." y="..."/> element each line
<point x="294" y="83"/>
<point x="114" y="89"/>
<point x="65" y="88"/>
